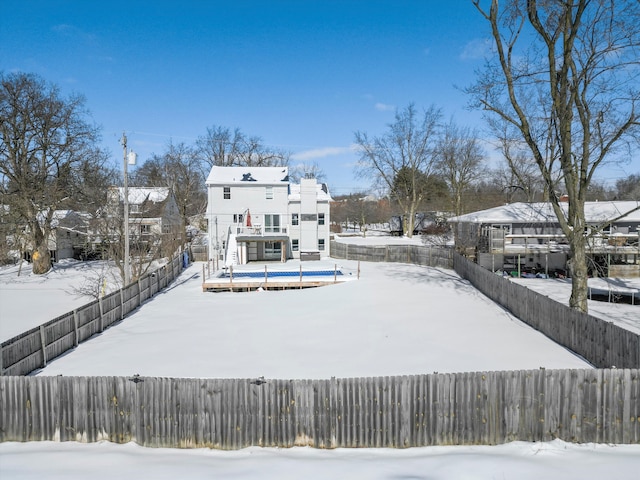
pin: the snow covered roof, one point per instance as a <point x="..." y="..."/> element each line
<point x="138" y="195"/>
<point x="248" y="175"/>
<point x="322" y="192"/>
<point x="595" y="212"/>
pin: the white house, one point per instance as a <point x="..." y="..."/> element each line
<point x="153" y="214"/>
<point x="256" y="214"/>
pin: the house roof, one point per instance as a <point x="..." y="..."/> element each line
<point x="139" y="195"/>
<point x="322" y="192"/>
<point x="595" y="212"/>
<point x="248" y="175"/>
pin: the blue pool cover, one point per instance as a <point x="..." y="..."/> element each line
<point x="313" y="273"/>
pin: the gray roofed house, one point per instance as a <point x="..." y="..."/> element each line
<point x="528" y="236"/>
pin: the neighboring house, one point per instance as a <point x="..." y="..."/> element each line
<point x="69" y="235"/>
<point x="527" y="236"/>
<point x="255" y="213"/>
<point x="153" y="213"/>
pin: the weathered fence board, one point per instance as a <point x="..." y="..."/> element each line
<point x="394" y="412"/>
<point x="601" y="343"/>
<point x="427" y="255"/>
<point x="31" y="350"/>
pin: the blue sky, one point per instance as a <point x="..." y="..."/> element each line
<point x="302" y="75"/>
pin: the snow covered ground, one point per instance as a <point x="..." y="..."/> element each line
<point x="27" y="300"/>
<point x="622" y="314"/>
<point x="513" y="461"/>
<point x="397" y="319"/>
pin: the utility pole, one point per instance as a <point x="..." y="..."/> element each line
<point x="127" y="266"/>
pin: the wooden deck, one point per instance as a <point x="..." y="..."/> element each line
<point x="226" y="285"/>
<point x="276" y="276"/>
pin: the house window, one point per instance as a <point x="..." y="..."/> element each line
<point x="145" y="229"/>
<point x="295" y="219"/>
<point x="272" y="250"/>
<point x="226" y="192"/>
<point x="321" y="244"/>
<point x="269" y="193"/>
<point x="238" y="218"/>
<point x="321" y="219"/>
<point x="272" y="223"/>
<point x="295" y="244"/>
<point x="497" y="235"/>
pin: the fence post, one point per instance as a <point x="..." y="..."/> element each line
<point x="101" y="314"/>
<point x="75" y="326"/>
<point x="44" y="346"/>
<point x="121" y="304"/>
<point x="139" y="292"/>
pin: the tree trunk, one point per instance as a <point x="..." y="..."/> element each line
<point x="579" y="274"/>
<point x="409" y="225"/>
<point x="41" y="258"/>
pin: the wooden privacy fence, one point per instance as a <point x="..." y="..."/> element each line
<point x="199" y="253"/>
<point x="598" y="341"/>
<point x="431" y="256"/>
<point x="409" y="411"/>
<point x="601" y="343"/>
<point x="32" y="349"/>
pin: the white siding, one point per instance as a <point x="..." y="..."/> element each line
<point x="267" y="196"/>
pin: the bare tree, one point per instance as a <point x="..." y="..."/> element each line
<point x="306" y="170"/>
<point x="47" y="154"/>
<point x="460" y="162"/>
<point x="628" y="188"/>
<point x="406" y="150"/>
<point x="224" y="148"/>
<point x="148" y="244"/>
<point x="178" y="169"/>
<point x="519" y="175"/>
<point x="565" y="75"/>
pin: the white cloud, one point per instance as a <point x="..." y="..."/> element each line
<point x="321" y="153"/>
<point x="73" y="31"/>
<point x="383" y="107"/>
<point x="476" y="49"/>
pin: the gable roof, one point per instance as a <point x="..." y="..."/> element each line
<point x="139" y="195"/>
<point x="248" y="175"/>
<point x="542" y="212"/>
